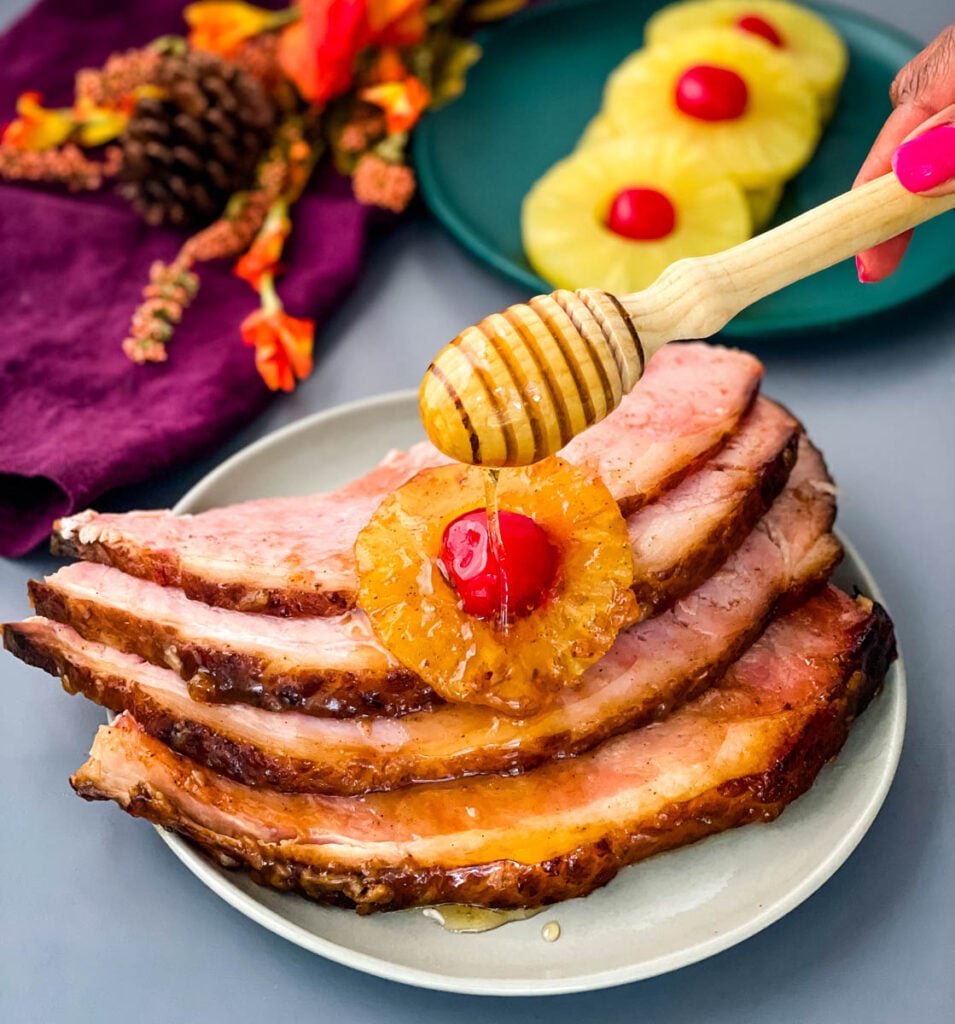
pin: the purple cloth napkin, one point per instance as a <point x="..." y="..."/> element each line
<point x="76" y="417"/>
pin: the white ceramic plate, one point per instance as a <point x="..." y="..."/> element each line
<point x="654" y="917"/>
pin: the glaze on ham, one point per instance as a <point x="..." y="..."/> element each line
<point x="652" y="668"/>
<point x="334" y="666"/>
<point x="738" y="754"/>
<point x="293" y="556"/>
<point x="329" y="665"/>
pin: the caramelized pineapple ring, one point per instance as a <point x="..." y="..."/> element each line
<point x="418" y="616"/>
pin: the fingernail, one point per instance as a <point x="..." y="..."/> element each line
<point x="927" y="160"/>
<point x="862" y="272"/>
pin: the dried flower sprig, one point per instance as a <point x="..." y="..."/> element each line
<point x="376" y="182"/>
<point x="67" y="165"/>
<point x="119" y="78"/>
<point x="172" y="286"/>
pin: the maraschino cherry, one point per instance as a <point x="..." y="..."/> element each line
<point x="470" y="564"/>
<point x="642" y="214"/>
<point x="758" y="26"/>
<point x="711" y="93"/>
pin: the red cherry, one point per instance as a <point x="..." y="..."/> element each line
<point x="643" y="214"/>
<point x="711" y="94"/>
<point x="758" y="26"/>
<point x="527" y="566"/>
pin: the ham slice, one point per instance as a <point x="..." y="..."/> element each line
<point x="738" y="754"/>
<point x="323" y="665"/>
<point x="652" y="668"/>
<point x="687" y="533"/>
<point x="293" y="556"/>
<point x="334" y="665"/>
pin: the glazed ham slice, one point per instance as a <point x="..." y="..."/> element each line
<point x="652" y="668"/>
<point x="280" y="556"/>
<point x="324" y="665"/>
<point x="293" y="556"/>
<point x="738" y="754"/>
<point x="684" y="406"/>
<point x="334" y="666"/>
<point x="686" y="534"/>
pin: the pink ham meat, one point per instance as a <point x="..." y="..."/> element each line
<point x="280" y="556"/>
<point x="293" y="556"/>
<point x="324" y="665"/>
<point x="652" y="668"/>
<point x="738" y="754"/>
<point x="334" y="666"/>
<point x="683" y="536"/>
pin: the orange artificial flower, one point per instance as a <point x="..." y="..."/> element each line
<point x="283" y="343"/>
<point x="397" y="22"/>
<point x="222" y="27"/>
<point x="402" y="102"/>
<point x="37" y="128"/>
<point x="265" y="252"/>
<point x="98" y="125"/>
<point x="319" y="54"/>
<point x="387" y="67"/>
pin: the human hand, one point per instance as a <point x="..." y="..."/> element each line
<point x="917" y="142"/>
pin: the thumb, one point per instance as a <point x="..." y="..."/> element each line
<point x="925" y="162"/>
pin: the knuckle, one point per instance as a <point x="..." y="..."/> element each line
<point x="929" y="73"/>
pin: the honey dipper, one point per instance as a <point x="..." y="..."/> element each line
<point x="520" y="384"/>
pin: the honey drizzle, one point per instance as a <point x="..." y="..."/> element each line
<point x="465" y="918"/>
<point x="495" y="541"/>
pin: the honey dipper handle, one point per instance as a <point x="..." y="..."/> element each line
<point x="694" y="298"/>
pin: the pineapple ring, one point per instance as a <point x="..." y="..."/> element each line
<point x="762" y="201"/>
<point x="770" y="142"/>
<point x="812" y="43"/>
<point x="563" y="215"/>
<point x="417" y="615"/>
<point x="597" y="130"/>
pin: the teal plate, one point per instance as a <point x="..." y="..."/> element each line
<point x="541" y="79"/>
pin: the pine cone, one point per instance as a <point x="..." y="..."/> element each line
<point x="186" y="151"/>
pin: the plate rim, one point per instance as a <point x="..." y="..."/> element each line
<point x="446" y="212"/>
<point x="219" y="881"/>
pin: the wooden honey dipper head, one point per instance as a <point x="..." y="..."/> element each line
<point x="520" y="384"/>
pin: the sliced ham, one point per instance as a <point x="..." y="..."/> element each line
<point x="738" y="754"/>
<point x="280" y="556"/>
<point x="652" y="668"/>
<point x="683" y="536"/>
<point x="334" y="666"/>
<point x="293" y="556"/>
<point x="687" y="402"/>
<point x="326" y="665"/>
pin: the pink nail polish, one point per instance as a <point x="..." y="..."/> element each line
<point x="862" y="272"/>
<point x="927" y="160"/>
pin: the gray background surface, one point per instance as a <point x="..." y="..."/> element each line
<point x="100" y="922"/>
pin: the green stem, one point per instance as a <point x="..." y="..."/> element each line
<point x="282" y="18"/>
<point x="271" y="303"/>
